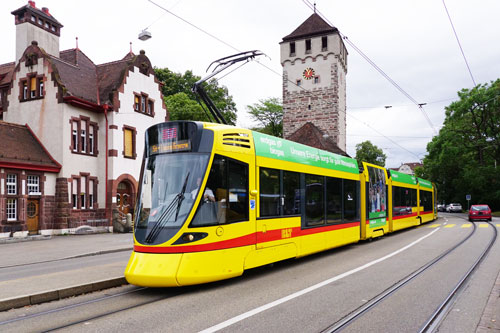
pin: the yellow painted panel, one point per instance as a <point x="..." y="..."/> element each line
<point x="152" y="269"/>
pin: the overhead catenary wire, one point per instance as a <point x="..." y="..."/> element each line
<point x="273" y="71"/>
<point x="459" y="44"/>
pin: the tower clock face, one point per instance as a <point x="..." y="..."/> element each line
<point x="308" y="73"/>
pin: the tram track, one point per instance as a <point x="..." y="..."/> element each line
<point x="440" y="312"/>
<point x="35" y="317"/>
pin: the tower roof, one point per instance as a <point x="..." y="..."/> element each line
<point x="311" y="27"/>
<point x="21" y="15"/>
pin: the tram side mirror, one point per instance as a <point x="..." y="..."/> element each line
<point x="146" y="190"/>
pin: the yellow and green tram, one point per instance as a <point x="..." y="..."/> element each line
<point x="215" y="200"/>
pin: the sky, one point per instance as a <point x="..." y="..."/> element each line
<point x="411" y="41"/>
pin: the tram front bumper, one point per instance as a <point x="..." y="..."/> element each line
<point x="153" y="269"/>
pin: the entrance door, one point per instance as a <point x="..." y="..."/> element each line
<point x="123" y="197"/>
<point x="32" y="213"/>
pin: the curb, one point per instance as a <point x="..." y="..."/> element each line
<point x="53" y="295"/>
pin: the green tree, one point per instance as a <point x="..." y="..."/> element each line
<point x="462" y="159"/>
<point x="368" y="152"/>
<point x="174" y="83"/>
<point x="269" y="113"/>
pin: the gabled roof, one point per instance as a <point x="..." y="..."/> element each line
<point x="312" y="136"/>
<point x="6" y="71"/>
<point x="19" y="148"/>
<point x="31" y="8"/>
<point x="313" y="26"/>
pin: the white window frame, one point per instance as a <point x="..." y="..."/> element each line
<point x="11" y="184"/>
<point x="33" y="184"/>
<point x="11" y="209"/>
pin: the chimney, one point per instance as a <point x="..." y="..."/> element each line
<point x="46" y="11"/>
<point x="32" y="4"/>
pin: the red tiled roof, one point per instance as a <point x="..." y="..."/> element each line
<point x="19" y="148"/>
<point x="312" y="136"/>
<point x="6" y="71"/>
<point x="311" y="27"/>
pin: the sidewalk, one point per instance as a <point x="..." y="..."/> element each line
<point x="18" y="290"/>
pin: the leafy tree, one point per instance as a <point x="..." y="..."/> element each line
<point x="269" y="113"/>
<point x="463" y="158"/>
<point x="368" y="152"/>
<point x="181" y="107"/>
<point x="174" y="83"/>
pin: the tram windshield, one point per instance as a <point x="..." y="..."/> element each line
<point x="169" y="184"/>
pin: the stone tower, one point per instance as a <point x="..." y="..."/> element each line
<point x="314" y="60"/>
<point x="33" y="24"/>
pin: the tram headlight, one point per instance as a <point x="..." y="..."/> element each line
<point x="189" y="237"/>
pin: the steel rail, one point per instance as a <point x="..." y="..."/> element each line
<point x="442" y="310"/>
<point x="357" y="313"/>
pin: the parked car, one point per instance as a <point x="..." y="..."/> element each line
<point x="441" y="208"/>
<point x="479" y="212"/>
<point x="454" y="207"/>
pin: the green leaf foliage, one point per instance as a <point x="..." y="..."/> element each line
<point x="464" y="157"/>
<point x="269" y="113"/>
<point x="368" y="152"/>
<point x="175" y="83"/>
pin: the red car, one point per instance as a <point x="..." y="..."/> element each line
<point x="479" y="212"/>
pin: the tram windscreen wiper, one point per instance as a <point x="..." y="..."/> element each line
<point x="181" y="197"/>
<point x="165" y="215"/>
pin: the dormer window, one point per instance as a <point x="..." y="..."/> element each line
<point x="144" y="104"/>
<point x="31" y="87"/>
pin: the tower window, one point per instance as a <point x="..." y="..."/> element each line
<point x="292" y="49"/>
<point x="324" y="43"/>
<point x="316" y="80"/>
<point x="298" y="83"/>
<point x="308" y="46"/>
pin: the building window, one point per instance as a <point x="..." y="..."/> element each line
<point x="298" y="83"/>
<point x="83" y="136"/>
<point x="83" y="188"/>
<point x="292" y="49"/>
<point x="33" y="184"/>
<point x="11" y="209"/>
<point x="11" y="184"/>
<point x="308" y="46"/>
<point x="324" y="43"/>
<point x="129" y="134"/>
<point x="33" y="18"/>
<point x="31" y="87"/>
<point x="316" y="80"/>
<point x="143" y="104"/>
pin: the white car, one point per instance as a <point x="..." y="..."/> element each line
<point x="454" y="207"/>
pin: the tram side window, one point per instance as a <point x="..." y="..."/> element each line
<point x="314" y="200"/>
<point x="279" y="193"/>
<point x="228" y="181"/>
<point x="269" y="192"/>
<point x="291" y="193"/>
<point x="403" y="199"/>
<point x="426" y="200"/>
<point x="333" y="200"/>
<point x="351" y="209"/>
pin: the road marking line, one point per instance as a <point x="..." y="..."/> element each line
<point x="299" y="293"/>
<point x="450" y="225"/>
<point x="466" y="225"/>
<point x="434" y="225"/>
<point x="483" y="225"/>
<point x="498" y="225"/>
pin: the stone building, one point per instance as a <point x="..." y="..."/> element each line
<point x="85" y="120"/>
<point x="314" y="60"/>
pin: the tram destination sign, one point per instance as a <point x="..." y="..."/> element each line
<point x="170" y="147"/>
<point x="277" y="148"/>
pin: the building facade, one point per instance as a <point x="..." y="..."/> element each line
<point x="314" y="61"/>
<point x="89" y="118"/>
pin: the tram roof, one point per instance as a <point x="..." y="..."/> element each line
<point x="285" y="150"/>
